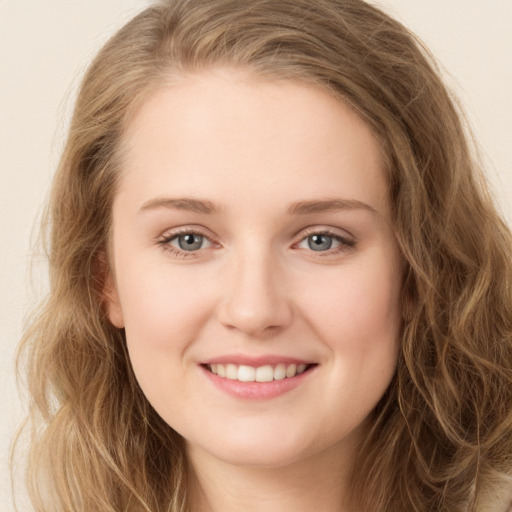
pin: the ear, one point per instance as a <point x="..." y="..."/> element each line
<point x="112" y="302"/>
<point x="109" y="294"/>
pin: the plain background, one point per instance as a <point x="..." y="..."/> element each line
<point x="46" y="46"/>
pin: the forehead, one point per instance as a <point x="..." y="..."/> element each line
<point x="225" y="129"/>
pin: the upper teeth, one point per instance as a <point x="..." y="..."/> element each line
<point x="265" y="373"/>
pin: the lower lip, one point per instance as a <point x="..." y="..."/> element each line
<point x="257" y="390"/>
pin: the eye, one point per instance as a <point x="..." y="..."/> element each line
<point x="189" y="242"/>
<point x="320" y="242"/>
<point x="325" y="242"/>
<point x="184" y="243"/>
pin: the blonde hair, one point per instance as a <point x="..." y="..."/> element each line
<point x="441" y="438"/>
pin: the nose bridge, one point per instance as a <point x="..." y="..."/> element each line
<point x="255" y="300"/>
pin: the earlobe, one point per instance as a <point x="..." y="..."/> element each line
<point x="109" y="294"/>
<point x="112" y="302"/>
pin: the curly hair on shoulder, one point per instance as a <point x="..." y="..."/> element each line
<point x="441" y="437"/>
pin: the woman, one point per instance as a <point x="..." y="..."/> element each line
<point x="277" y="279"/>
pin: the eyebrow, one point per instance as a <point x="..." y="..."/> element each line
<point x="298" y="208"/>
<point x="182" y="203"/>
<point x="328" y="205"/>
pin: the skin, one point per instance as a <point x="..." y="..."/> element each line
<point x="253" y="149"/>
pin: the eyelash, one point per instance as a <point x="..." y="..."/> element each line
<point x="346" y="244"/>
<point x="165" y="242"/>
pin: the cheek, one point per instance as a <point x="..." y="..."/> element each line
<point x="164" y="312"/>
<point x="362" y="299"/>
<point x="356" y="313"/>
<point x="359" y="322"/>
<point x="162" y="305"/>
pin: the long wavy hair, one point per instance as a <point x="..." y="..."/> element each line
<point x="441" y="437"/>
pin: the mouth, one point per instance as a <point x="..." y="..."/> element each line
<point x="265" y="373"/>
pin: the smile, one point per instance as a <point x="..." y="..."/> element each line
<point x="257" y="378"/>
<point x="266" y="373"/>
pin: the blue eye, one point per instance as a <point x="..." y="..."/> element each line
<point x="189" y="242"/>
<point x="325" y="242"/>
<point x="185" y="242"/>
<point x="320" y="242"/>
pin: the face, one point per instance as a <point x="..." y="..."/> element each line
<point x="254" y="268"/>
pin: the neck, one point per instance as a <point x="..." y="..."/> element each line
<point x="318" y="482"/>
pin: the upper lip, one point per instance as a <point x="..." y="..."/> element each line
<point x="255" y="361"/>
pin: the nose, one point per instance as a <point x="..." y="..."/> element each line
<point x="255" y="300"/>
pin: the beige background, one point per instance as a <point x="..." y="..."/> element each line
<point x="44" y="48"/>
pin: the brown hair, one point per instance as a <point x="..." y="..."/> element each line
<point x="441" y="437"/>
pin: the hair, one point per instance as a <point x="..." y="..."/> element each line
<point x="441" y="437"/>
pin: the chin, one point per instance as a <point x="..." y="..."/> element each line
<point x="266" y="450"/>
<point x="267" y="458"/>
